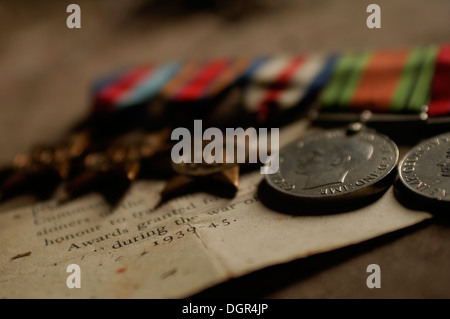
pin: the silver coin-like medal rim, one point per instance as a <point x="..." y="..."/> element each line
<point x="342" y="132"/>
<point x="408" y="154"/>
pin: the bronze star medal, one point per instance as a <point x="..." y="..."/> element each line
<point x="218" y="178"/>
<point x="42" y="169"/>
<point x="221" y="179"/>
<point x="112" y="170"/>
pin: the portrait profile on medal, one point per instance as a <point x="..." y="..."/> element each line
<point x="330" y="163"/>
<point x="335" y="165"/>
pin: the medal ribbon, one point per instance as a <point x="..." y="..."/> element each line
<point x="111" y="92"/>
<point x="150" y="86"/>
<point x="280" y="84"/>
<point x="383" y="81"/>
<point x="272" y="94"/>
<point x="231" y="75"/>
<point x="130" y="87"/>
<point x="207" y="80"/>
<point x="197" y="86"/>
<point x="395" y="81"/>
<point x="440" y="89"/>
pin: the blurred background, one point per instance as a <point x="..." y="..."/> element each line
<point x="47" y="69"/>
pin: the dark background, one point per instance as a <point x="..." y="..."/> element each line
<point x="47" y="69"/>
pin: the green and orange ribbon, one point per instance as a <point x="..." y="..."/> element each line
<point x="394" y="81"/>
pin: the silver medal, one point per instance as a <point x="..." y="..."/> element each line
<point x="425" y="170"/>
<point x="335" y="165"/>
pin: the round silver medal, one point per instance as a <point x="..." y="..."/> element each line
<point x="335" y="165"/>
<point x="425" y="169"/>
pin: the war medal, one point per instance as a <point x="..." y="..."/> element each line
<point x="209" y="174"/>
<point x="114" y="168"/>
<point x="335" y="166"/>
<point x="342" y="165"/>
<point x="223" y="176"/>
<point x="42" y="169"/>
<point x="425" y="170"/>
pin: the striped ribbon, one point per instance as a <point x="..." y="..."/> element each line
<point x="395" y="81"/>
<point x="208" y="80"/>
<point x="174" y="82"/>
<point x="133" y="86"/>
<point x="196" y="87"/>
<point x="440" y="88"/>
<point x="282" y="83"/>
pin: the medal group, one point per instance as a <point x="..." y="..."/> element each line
<point x="377" y="95"/>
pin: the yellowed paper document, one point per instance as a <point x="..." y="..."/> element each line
<point x="186" y="245"/>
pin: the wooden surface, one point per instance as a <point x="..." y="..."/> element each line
<point x="47" y="70"/>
